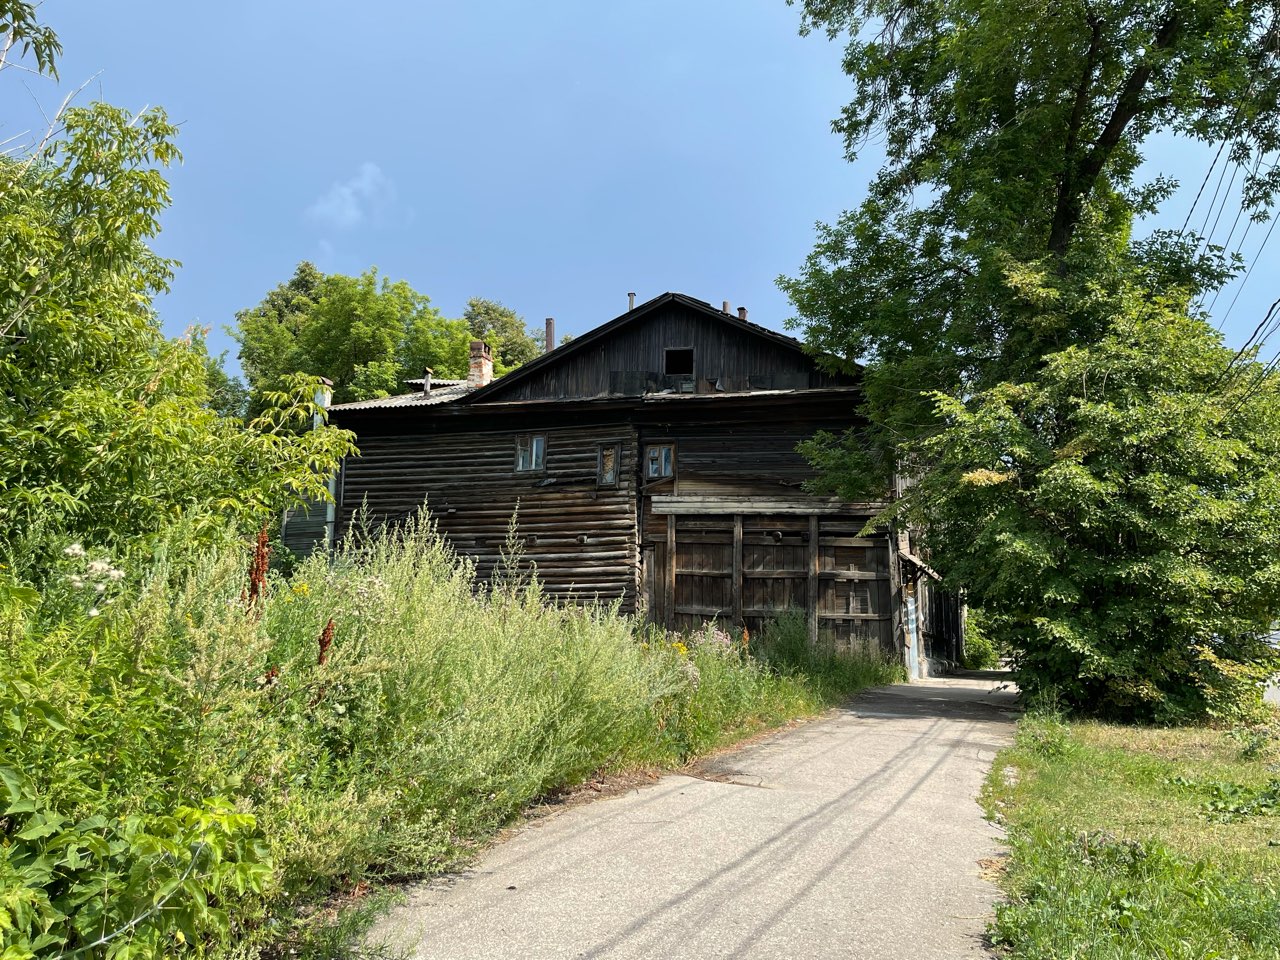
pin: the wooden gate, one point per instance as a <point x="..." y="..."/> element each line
<point x="747" y="568"/>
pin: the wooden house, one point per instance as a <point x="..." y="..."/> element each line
<point x="651" y="462"/>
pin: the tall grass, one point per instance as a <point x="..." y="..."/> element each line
<point x="375" y="714"/>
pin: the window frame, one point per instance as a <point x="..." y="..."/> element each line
<point x="616" y="449"/>
<point x="536" y="464"/>
<point x="693" y="362"/>
<point x="659" y="445"/>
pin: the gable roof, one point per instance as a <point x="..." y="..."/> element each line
<point x="551" y="357"/>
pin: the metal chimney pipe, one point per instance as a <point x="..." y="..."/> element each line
<point x="724" y="307"/>
<point x="551" y="334"/>
<point x="742" y="313"/>
<point x="631" y="301"/>
<point x="426" y="380"/>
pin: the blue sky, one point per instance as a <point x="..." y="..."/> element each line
<point x="552" y="156"/>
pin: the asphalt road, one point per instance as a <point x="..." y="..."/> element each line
<point x="856" y="836"/>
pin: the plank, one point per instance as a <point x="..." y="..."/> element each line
<point x="737" y="566"/>
<point x="812" y="598"/>
<point x="671" y="567"/>
<point x="757" y="505"/>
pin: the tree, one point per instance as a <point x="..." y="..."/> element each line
<point x="228" y="396"/>
<point x="1120" y="513"/>
<point x="1019" y="346"/>
<point x="366" y="334"/>
<point x="1013" y="135"/>
<point x="106" y="428"/>
<point x="505" y="331"/>
<point x="268" y="333"/>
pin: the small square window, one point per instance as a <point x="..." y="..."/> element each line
<point x="531" y="452"/>
<point x="660" y="461"/>
<point x="607" y="466"/>
<point x="678" y="362"/>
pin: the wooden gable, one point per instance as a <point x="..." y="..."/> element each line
<point x="671" y="344"/>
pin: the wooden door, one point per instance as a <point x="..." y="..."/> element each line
<point x="746" y="569"/>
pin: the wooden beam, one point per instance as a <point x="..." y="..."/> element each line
<point x="897" y="634"/>
<point x="670" y="578"/>
<point x="754" y="505"/>
<point x="813" y="579"/>
<point x="737" y="567"/>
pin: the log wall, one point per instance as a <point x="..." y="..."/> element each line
<point x="581" y="537"/>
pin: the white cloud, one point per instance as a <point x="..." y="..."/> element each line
<point x="353" y="201"/>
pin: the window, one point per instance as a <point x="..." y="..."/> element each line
<point x="678" y="362"/>
<point x="607" y="465"/>
<point x="660" y="461"/>
<point x="531" y="452"/>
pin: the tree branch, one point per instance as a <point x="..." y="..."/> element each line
<point x="1079" y="179"/>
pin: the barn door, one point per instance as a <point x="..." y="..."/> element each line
<point x="746" y="569"/>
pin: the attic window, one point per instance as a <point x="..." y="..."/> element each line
<point x="678" y="362"/>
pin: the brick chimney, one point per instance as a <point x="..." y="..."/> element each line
<point x="480" y="373"/>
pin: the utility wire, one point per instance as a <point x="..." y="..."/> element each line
<point x="1245" y="279"/>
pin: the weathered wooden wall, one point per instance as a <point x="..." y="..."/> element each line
<point x="630" y="362"/>
<point x="304" y="527"/>
<point x="582" y="538"/>
<point x="747" y="568"/>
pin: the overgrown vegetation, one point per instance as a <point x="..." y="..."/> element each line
<point x="194" y="758"/>
<point x="1138" y="842"/>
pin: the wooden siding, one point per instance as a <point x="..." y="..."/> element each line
<point x="740" y="458"/>
<point x="581" y="538"/>
<point x="304" y="527"/>
<point x="630" y="362"/>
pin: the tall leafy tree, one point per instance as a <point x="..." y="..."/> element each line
<point x="1013" y="133"/>
<point x="367" y="334"/>
<point x="505" y="331"/>
<point x="1022" y="351"/>
<point x="108" y="431"/>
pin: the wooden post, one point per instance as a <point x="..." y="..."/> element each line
<point x="896" y="599"/>
<point x="813" y="579"/>
<point x="671" y="571"/>
<point x="737" y="569"/>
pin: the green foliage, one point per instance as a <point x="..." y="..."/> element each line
<point x="109" y="431"/>
<point x="1013" y="135"/>
<point x="1122" y="512"/>
<point x="1098" y="897"/>
<point x="1115" y="854"/>
<point x="980" y="651"/>
<point x="267" y="761"/>
<point x="504" y="330"/>
<point x="364" y="333"/>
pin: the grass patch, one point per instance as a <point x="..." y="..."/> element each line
<point x="256" y="751"/>
<point x="1137" y="842"/>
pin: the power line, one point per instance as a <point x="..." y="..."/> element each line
<point x="1203" y="183"/>
<point x="1245" y="279"/>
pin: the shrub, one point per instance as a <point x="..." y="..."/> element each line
<point x="980" y="651"/>
<point x="374" y="714"/>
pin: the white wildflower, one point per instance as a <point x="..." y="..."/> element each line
<point x="100" y="587"/>
<point x="116" y="575"/>
<point x="98" y="567"/>
<point x="93" y="611"/>
<point x="75" y="581"/>
<point x="75" y="550"/>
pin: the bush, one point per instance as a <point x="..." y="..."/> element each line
<point x="237" y="750"/>
<point x="980" y="651"/>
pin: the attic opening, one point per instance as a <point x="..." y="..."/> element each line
<point x="678" y="362"/>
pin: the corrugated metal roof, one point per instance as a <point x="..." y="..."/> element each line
<point x="438" y="395"/>
<point x="436" y="382"/>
